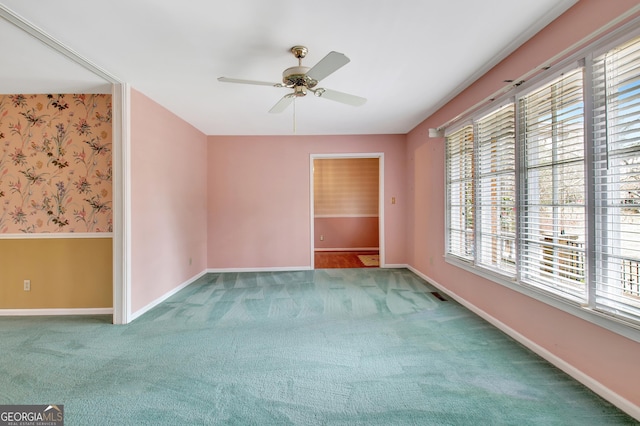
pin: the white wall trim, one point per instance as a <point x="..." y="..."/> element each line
<point x="285" y="269"/>
<point x="381" y="213"/>
<point x="121" y="203"/>
<point x="348" y="249"/>
<point x="341" y="216"/>
<point x="262" y="269"/>
<point x="54" y="311"/>
<point x="606" y="393"/>
<point x="62" y="235"/>
<point x="165" y="296"/>
<point x="559" y="57"/>
<point x="394" y="266"/>
<point x="56" y="45"/>
<point x="527" y="34"/>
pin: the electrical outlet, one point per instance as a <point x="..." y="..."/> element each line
<point x="321" y="237"/>
<point x="27" y="285"/>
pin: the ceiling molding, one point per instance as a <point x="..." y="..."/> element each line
<point x="566" y="55"/>
<point x="58" y="46"/>
<point x="549" y="17"/>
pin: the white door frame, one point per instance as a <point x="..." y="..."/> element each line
<point x="121" y="165"/>
<point x="380" y="157"/>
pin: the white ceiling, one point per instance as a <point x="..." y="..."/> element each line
<point x="408" y="57"/>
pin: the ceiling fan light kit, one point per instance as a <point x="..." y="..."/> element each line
<point x="302" y="79"/>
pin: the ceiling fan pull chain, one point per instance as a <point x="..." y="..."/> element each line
<point x="294" y="115"/>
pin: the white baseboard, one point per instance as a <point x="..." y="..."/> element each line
<point x="395" y="266"/>
<point x="348" y="249"/>
<point x="606" y="393"/>
<point x="267" y="269"/>
<point x="165" y="296"/>
<point x="55" y="312"/>
<point x="287" y="269"/>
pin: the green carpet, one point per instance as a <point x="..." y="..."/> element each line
<point x="324" y="347"/>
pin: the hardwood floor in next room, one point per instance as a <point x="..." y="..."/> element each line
<point x="344" y="259"/>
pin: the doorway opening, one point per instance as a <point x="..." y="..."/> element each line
<point x="346" y="211"/>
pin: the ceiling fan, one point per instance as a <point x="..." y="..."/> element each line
<point x="304" y="79"/>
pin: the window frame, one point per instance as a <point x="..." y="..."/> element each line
<point x="496" y="176"/>
<point x="607" y="292"/>
<point x="449" y="208"/>
<point x="582" y="309"/>
<point x="523" y="168"/>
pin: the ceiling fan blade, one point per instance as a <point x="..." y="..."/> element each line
<point x="257" y="83"/>
<point x="282" y="103"/>
<point x="327" y="65"/>
<point x="344" y="98"/>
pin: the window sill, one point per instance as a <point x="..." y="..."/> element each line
<point x="623" y="328"/>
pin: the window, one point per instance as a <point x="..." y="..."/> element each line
<point x="460" y="192"/>
<point x="543" y="193"/>
<point x="497" y="190"/>
<point x="553" y="221"/>
<point x="616" y="87"/>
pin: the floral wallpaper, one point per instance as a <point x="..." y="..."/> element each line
<point x="55" y="163"/>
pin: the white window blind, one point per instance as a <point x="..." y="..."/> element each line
<point x="553" y="224"/>
<point x="546" y="203"/>
<point x="496" y="190"/>
<point x="616" y="85"/>
<point x="460" y="193"/>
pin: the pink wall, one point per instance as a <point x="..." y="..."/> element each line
<point x="259" y="197"/>
<point x="346" y="232"/>
<point x="168" y="201"/>
<point x="605" y="356"/>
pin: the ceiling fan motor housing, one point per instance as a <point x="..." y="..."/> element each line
<point x="297" y="76"/>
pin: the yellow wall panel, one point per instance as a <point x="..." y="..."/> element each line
<point x="65" y="273"/>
